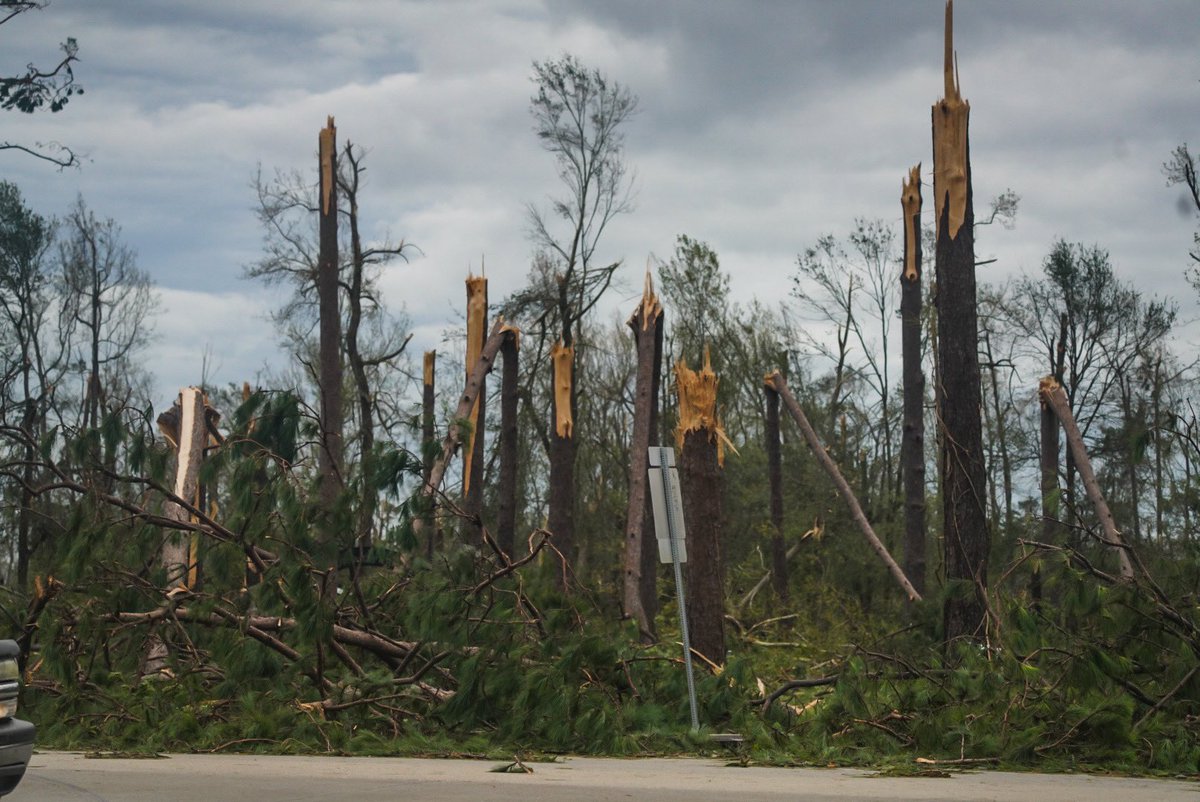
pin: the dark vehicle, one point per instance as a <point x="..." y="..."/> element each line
<point x="16" y="736"/>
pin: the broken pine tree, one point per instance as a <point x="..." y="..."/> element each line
<point x="477" y="301"/>
<point x="912" y="442"/>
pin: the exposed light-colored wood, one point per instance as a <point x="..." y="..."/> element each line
<point x="650" y="308"/>
<point x="910" y="201"/>
<point x="477" y="301"/>
<point x="429" y="366"/>
<point x="950" y="116"/>
<point x="697" y="390"/>
<point x="562" y="357"/>
<point x="325" y="145"/>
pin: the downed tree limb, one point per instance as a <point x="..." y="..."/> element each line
<point x="791" y="685"/>
<point x="769" y="575"/>
<point x="780" y="384"/>
<point x="1056" y="398"/>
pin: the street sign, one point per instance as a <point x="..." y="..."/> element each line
<point x="667" y="500"/>
<point x="659" y="498"/>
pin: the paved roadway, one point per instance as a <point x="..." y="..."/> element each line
<point x="70" y="777"/>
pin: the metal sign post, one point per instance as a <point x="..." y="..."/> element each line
<point x="667" y="501"/>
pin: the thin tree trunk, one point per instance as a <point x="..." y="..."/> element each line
<point x="843" y="487"/>
<point x="912" y="446"/>
<point x="639" y="585"/>
<point x="506" y="521"/>
<point x="701" y="478"/>
<point x="779" y="566"/>
<point x="1056" y="398"/>
<point x="330" y="452"/>
<point x="966" y="539"/>
<point x="427" y="440"/>
<point x="1048" y="463"/>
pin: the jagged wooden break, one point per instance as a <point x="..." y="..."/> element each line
<point x="779" y="572"/>
<point x="966" y="535"/>
<point x="562" y="451"/>
<point x="912" y="443"/>
<point x="640" y="591"/>
<point x="702" y="454"/>
<point x="330" y="452"/>
<point x="477" y="302"/>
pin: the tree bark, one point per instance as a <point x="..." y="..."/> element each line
<point x="330" y="451"/>
<point x="843" y="487"/>
<point x="506" y="522"/>
<point x="779" y="566"/>
<point x="1056" y="398"/>
<point x="701" y="478"/>
<point x="427" y="439"/>
<point x="912" y="444"/>
<point x="640" y="589"/>
<point x="964" y="482"/>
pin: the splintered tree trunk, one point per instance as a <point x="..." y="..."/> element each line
<point x="1052" y="393"/>
<point x="184" y="428"/>
<point x="506" y="520"/>
<point x="330" y="452"/>
<point x="1048" y="464"/>
<point x="562" y="453"/>
<point x="640" y="591"/>
<point x="701" y="477"/>
<point x="964" y="483"/>
<point x="912" y="444"/>
<point x="779" y="572"/>
<point x="427" y="439"/>
<point x="477" y="301"/>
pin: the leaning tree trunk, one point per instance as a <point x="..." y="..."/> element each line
<point x="640" y="591"/>
<point x="1052" y="393"/>
<point x="843" y="487"/>
<point x="912" y="445"/>
<point x="330" y="450"/>
<point x="964" y="485"/>
<point x="506" y="519"/>
<point x="477" y="301"/>
<point x="699" y="437"/>
<point x="562" y="453"/>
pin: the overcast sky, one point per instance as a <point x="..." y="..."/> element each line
<point x="762" y="125"/>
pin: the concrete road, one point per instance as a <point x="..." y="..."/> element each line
<point x="68" y="777"/>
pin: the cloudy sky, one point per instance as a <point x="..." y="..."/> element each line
<point x="762" y="125"/>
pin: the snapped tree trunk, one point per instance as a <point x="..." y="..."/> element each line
<point x="562" y="452"/>
<point x="330" y="450"/>
<point x="912" y="444"/>
<point x="1055" y="397"/>
<point x="506" y="521"/>
<point x="779" y="566"/>
<point x="640" y="591"/>
<point x="477" y="301"/>
<point x="843" y="487"/>
<point x="966" y="539"/>
<point x="699" y="437"/>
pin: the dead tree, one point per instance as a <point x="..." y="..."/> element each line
<point x="700" y="439"/>
<point x="843" y="487"/>
<point x="330" y="448"/>
<point x="640" y="561"/>
<point x="506" y="519"/>
<point x="779" y="567"/>
<point x="1052" y="394"/>
<point x="477" y="301"/>
<point x="1048" y="462"/>
<point x="912" y="443"/>
<point x="964" y="486"/>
